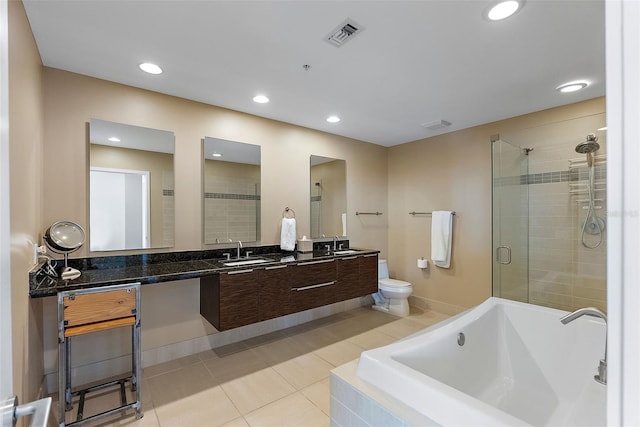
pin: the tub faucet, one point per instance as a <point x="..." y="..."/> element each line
<point x="590" y="311"/>
<point x="239" y="247"/>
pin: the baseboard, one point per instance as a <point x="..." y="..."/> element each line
<point x="439" y="306"/>
<point x="121" y="365"/>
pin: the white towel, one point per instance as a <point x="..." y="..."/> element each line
<point x="288" y="234"/>
<point x="441" y="230"/>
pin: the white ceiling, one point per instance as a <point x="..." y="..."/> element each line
<point x="414" y="62"/>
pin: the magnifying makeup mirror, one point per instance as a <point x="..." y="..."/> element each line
<point x="65" y="237"/>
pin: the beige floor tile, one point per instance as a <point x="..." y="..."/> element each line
<point x="314" y="339"/>
<point x="318" y="394"/>
<point x="426" y="317"/>
<point x="401" y="328"/>
<point x="238" y="422"/>
<point x="149" y="419"/>
<point x="304" y="370"/>
<point x="175" y="385"/>
<point x="292" y="411"/>
<point x="264" y="339"/>
<point x="340" y="353"/>
<point x="256" y="390"/>
<point x="210" y="407"/>
<point x="281" y="351"/>
<point x="172" y="365"/>
<point x="372" y="339"/>
<point x="235" y="365"/>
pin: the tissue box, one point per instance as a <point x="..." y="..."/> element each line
<point x="304" y="246"/>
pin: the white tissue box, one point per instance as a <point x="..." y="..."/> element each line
<point x="304" y="246"/>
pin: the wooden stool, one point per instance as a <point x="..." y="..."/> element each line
<point x="85" y="311"/>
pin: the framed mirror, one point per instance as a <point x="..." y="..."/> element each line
<point x="231" y="204"/>
<point x="131" y="201"/>
<point x="328" y="197"/>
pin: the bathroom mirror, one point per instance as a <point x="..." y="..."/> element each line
<point x="231" y="203"/>
<point x="328" y="197"/>
<point x="131" y="204"/>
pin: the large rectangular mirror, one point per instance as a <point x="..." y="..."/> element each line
<point x="231" y="185"/>
<point x="131" y="204"/>
<point x="328" y="197"/>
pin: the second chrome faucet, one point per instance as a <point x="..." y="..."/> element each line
<point x="601" y="377"/>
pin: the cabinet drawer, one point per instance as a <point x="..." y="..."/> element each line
<point x="238" y="299"/>
<point x="312" y="296"/>
<point x="275" y="290"/>
<point x="348" y="278"/>
<point x="368" y="281"/>
<point x="313" y="273"/>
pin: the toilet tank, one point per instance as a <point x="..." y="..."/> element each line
<point x="383" y="270"/>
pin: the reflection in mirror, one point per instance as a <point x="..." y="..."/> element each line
<point x="231" y="191"/>
<point x="131" y="203"/>
<point x="328" y="197"/>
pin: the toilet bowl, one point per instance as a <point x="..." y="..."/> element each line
<point x="392" y="294"/>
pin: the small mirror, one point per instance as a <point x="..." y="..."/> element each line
<point x="231" y="185"/>
<point x="328" y="197"/>
<point x="131" y="203"/>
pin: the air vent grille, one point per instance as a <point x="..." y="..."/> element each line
<point x="436" y="125"/>
<point x="343" y="33"/>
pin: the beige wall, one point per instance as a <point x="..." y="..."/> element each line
<point x="453" y="172"/>
<point x="71" y="100"/>
<point x="25" y="136"/>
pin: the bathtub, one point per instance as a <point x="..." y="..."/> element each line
<point x="518" y="366"/>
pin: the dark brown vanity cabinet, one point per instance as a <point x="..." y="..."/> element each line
<point x="275" y="291"/>
<point x="239" y="298"/>
<point x="356" y="276"/>
<point x="314" y="284"/>
<point x="230" y="300"/>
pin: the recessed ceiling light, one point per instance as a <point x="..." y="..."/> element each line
<point x="572" y="86"/>
<point x="260" y="99"/>
<point x="114" y="139"/>
<point x="503" y="9"/>
<point x="217" y="155"/>
<point x="150" y="68"/>
<point x="333" y="119"/>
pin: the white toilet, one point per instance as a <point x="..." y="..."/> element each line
<point x="395" y="293"/>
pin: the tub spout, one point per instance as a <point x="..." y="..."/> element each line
<point x="601" y="377"/>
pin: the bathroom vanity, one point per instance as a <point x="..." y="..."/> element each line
<point x="241" y="297"/>
<point x="233" y="292"/>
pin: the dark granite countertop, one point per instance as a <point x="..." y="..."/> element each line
<point x="164" y="267"/>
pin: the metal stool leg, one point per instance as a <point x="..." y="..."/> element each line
<point x="67" y="391"/>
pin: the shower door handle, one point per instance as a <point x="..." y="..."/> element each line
<point x="499" y="251"/>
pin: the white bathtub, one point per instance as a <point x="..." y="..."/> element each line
<point x="518" y="366"/>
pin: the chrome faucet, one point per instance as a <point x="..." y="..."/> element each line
<point x="335" y="243"/>
<point x="239" y="247"/>
<point x="601" y="377"/>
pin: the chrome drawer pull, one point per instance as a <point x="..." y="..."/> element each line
<point x="316" y="262"/>
<point x="369" y="255"/>
<point x="348" y="258"/>
<point x="276" y="267"/>
<point x="319" y="285"/>
<point x="239" y="272"/>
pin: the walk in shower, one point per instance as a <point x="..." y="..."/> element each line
<point x="549" y="214"/>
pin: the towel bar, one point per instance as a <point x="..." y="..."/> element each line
<point x="369" y="213"/>
<point x="414" y="213"/>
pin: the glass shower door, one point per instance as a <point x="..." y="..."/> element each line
<point x="510" y="197"/>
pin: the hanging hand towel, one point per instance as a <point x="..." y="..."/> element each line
<point x="441" y="230"/>
<point x="288" y="234"/>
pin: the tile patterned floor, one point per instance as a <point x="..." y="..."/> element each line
<point x="279" y="379"/>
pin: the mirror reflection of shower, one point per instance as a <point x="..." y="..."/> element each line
<point x="593" y="224"/>
<point x="316" y="209"/>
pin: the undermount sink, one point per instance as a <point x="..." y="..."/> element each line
<point x="345" y="252"/>
<point x="245" y="262"/>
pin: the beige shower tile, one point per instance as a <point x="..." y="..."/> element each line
<point x="293" y="411"/>
<point x="256" y="390"/>
<point x="210" y="407"/>
<point x="318" y="394"/>
<point x="304" y="370"/>
<point x="340" y="353"/>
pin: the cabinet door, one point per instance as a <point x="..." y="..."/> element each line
<point x="238" y="299"/>
<point x="348" y="278"/>
<point x="368" y="274"/>
<point x="314" y="284"/>
<point x="275" y="290"/>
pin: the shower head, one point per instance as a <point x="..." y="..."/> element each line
<point x="589" y="146"/>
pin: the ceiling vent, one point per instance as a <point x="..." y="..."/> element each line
<point x="436" y="125"/>
<point x="343" y="33"/>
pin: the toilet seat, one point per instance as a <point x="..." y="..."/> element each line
<point x="393" y="283"/>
